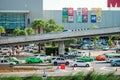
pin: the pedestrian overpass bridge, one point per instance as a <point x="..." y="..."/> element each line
<point x="59" y="36"/>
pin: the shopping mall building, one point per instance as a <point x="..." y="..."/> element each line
<point x="20" y="14"/>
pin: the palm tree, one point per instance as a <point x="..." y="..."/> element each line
<point x="96" y="38"/>
<point x="53" y="27"/>
<point x="30" y="31"/>
<point x="16" y="32"/>
<point x="2" y="30"/>
<point x="39" y="24"/>
<point x="51" y="21"/>
<point x="110" y="43"/>
<point x="22" y="33"/>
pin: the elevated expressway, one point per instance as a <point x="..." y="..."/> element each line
<point x="59" y="36"/>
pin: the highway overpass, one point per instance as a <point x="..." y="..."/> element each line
<point x="60" y="36"/>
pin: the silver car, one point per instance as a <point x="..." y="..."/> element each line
<point x="115" y="62"/>
<point x="80" y="63"/>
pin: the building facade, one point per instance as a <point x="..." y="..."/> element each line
<point x="20" y="14"/>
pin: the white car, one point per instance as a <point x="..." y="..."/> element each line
<point x="80" y="63"/>
<point x="42" y="56"/>
<point x="59" y="60"/>
<point x="7" y="62"/>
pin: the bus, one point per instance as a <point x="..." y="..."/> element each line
<point x="112" y="56"/>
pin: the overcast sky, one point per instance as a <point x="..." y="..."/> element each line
<point x="59" y="4"/>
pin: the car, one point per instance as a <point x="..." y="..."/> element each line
<point x="4" y="57"/>
<point x="66" y="30"/>
<point x="69" y="55"/>
<point x="80" y="63"/>
<point x="86" y="58"/>
<point x="31" y="49"/>
<point x="14" y="59"/>
<point x="59" y="60"/>
<point x="5" y="50"/>
<point x="42" y="56"/>
<point x="33" y="60"/>
<point x="80" y="53"/>
<point x="115" y="62"/>
<point x="105" y="48"/>
<point x="7" y="62"/>
<point x="118" y="50"/>
<point x="100" y="58"/>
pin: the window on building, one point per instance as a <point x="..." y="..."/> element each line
<point x="12" y="20"/>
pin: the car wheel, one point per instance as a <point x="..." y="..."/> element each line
<point x="29" y="62"/>
<point x="115" y="64"/>
<point x="75" y="65"/>
<point x="11" y="65"/>
<point x="67" y="63"/>
<point x="55" y="63"/>
<point x="87" y="65"/>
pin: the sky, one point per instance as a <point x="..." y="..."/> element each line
<point x="59" y="4"/>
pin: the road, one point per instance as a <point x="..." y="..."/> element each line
<point x="97" y="66"/>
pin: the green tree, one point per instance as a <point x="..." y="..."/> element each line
<point x="39" y="24"/>
<point x="72" y="41"/>
<point x="53" y="27"/>
<point x="2" y="30"/>
<point x="22" y="33"/>
<point x="30" y="31"/>
<point x="95" y="39"/>
<point x="117" y="36"/>
<point x="110" y="42"/>
<point x="51" y="21"/>
<point x="16" y="32"/>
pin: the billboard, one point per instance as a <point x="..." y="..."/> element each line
<point x="65" y="18"/>
<point x="96" y="15"/>
<point x="84" y="15"/>
<point x="79" y="15"/>
<point x="99" y="14"/>
<point x="84" y="11"/>
<point x="70" y="19"/>
<point x="65" y="15"/>
<point x="65" y="11"/>
<point x="84" y="18"/>
<point x="93" y="18"/>
<point x="70" y="12"/>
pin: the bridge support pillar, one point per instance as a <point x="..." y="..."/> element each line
<point x="61" y="47"/>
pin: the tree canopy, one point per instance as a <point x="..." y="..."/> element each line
<point x="2" y="29"/>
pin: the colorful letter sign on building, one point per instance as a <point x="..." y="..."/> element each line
<point x="113" y="3"/>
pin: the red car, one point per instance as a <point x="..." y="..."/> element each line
<point x="100" y="58"/>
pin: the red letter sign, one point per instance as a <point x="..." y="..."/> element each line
<point x="113" y="3"/>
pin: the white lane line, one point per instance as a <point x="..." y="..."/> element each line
<point x="106" y="68"/>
